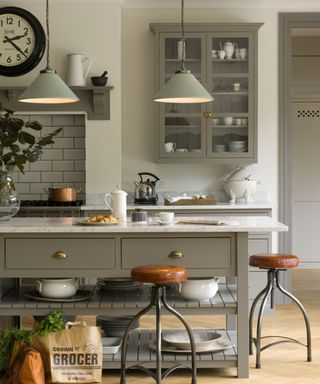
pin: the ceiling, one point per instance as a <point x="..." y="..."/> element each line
<point x="288" y="4"/>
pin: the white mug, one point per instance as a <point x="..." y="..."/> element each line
<point x="165" y="217"/>
<point x="244" y="121"/>
<point x="214" y="54"/>
<point x="236" y="87"/>
<point x="215" y="121"/>
<point x="243" y="53"/>
<point x="221" y="54"/>
<point x="238" y="121"/>
<point x="237" y="53"/>
<point x="170" y="147"/>
<point x="228" y="120"/>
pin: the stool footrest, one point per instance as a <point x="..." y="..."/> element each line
<point x="284" y="339"/>
<point x="153" y="374"/>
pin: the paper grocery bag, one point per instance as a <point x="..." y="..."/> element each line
<point x="73" y="355"/>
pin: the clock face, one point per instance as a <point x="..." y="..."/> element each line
<point x="22" y="41"/>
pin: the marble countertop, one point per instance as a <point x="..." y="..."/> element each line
<point x="228" y="206"/>
<point x="73" y="225"/>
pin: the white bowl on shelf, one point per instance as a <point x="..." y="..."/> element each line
<point x="180" y="338"/>
<point x="199" y="288"/>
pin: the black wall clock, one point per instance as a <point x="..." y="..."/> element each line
<point x="22" y="41"/>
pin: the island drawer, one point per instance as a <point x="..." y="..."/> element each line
<point x="59" y="254"/>
<point x="194" y="253"/>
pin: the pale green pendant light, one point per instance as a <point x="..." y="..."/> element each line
<point x="48" y="87"/>
<point x="183" y="87"/>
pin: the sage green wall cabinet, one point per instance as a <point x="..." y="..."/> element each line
<point x="225" y="129"/>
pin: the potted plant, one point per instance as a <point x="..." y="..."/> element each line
<point x="17" y="147"/>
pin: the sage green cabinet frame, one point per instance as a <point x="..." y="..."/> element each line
<point x="206" y="32"/>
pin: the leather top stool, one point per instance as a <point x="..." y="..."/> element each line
<point x="159" y="276"/>
<point x="274" y="263"/>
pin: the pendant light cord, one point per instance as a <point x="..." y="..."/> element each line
<point x="48" y="34"/>
<point x="183" y="38"/>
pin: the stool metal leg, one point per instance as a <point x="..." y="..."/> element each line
<point x="306" y="320"/>
<point x="274" y="282"/>
<point x="158" y="335"/>
<point x="253" y="306"/>
<point x="126" y="335"/>
<point x="269" y="287"/>
<point x="188" y="329"/>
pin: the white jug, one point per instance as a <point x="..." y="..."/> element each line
<point x="229" y="48"/>
<point x="118" y="203"/>
<point x="77" y="69"/>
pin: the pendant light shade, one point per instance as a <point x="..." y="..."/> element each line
<point x="183" y="87"/>
<point x="48" y="87"/>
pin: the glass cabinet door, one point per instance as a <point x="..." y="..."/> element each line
<point x="182" y="126"/>
<point x="229" y="131"/>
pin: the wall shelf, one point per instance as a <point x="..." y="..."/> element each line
<point x="95" y="101"/>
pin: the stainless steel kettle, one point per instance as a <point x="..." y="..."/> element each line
<point x="145" y="191"/>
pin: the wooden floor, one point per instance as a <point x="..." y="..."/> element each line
<point x="283" y="364"/>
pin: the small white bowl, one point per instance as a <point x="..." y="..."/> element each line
<point x="57" y="288"/>
<point x="199" y="288"/>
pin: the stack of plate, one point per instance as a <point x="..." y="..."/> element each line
<point x="115" y="326"/>
<point x="117" y="284"/>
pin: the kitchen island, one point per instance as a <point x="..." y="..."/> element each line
<point x="62" y="247"/>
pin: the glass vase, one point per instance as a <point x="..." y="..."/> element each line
<point x="9" y="202"/>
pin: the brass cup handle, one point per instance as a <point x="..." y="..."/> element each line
<point x="176" y="255"/>
<point x="59" y="255"/>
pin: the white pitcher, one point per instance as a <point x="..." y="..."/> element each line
<point x="77" y="69"/>
<point x="117" y="203"/>
<point x="229" y="48"/>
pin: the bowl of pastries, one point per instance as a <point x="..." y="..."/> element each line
<point x="101" y="220"/>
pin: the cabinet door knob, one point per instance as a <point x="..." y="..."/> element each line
<point x="207" y="115"/>
<point x="176" y="255"/>
<point x="59" y="255"/>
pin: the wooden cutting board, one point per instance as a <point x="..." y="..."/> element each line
<point x="206" y="201"/>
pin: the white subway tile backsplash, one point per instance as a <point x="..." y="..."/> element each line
<point x="46" y="130"/>
<point x="74" y="177"/>
<point x="79" y="120"/>
<point x="52" y="154"/>
<point x="73" y="131"/>
<point x="42" y="119"/>
<point x="62" y="164"/>
<point x="39" y="187"/>
<point x="67" y="165"/>
<point x="79" y="143"/>
<point x="30" y="196"/>
<point x="53" y="177"/>
<point x="80" y="165"/>
<point x="41" y="165"/>
<point x="24" y="188"/>
<point x="29" y="177"/>
<point x="62" y="120"/>
<point x="65" y="142"/>
<point x="74" y="154"/>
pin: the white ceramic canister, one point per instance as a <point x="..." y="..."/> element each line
<point x="117" y="203"/>
<point x="57" y="288"/>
